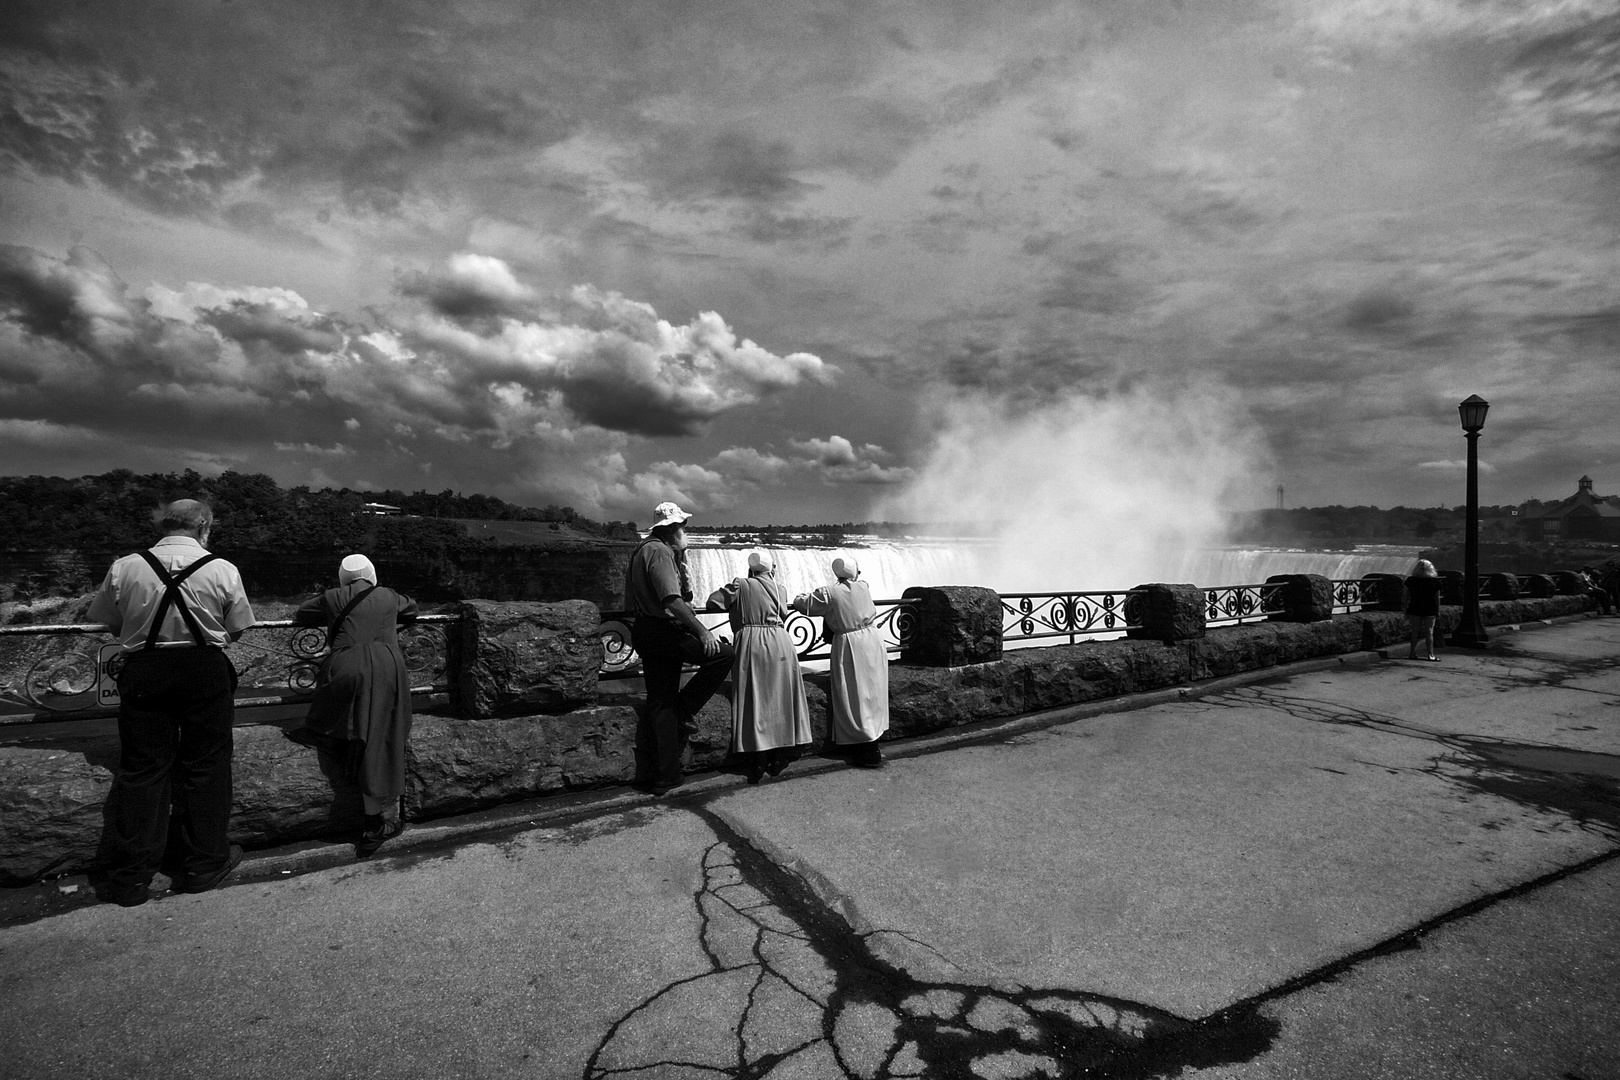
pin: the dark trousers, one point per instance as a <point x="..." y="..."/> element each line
<point x="174" y="735"/>
<point x="665" y="645"/>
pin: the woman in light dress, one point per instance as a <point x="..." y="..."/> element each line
<point x="770" y="719"/>
<point x="860" y="663"/>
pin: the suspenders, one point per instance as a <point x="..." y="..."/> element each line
<point x="173" y="595"/>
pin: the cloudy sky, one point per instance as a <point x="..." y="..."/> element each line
<point x="785" y="261"/>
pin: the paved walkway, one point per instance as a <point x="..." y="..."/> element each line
<point x="1359" y="870"/>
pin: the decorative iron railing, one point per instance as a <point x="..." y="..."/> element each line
<point x="894" y="620"/>
<point x="1226" y="605"/>
<point x="275" y="654"/>
<point x="1031" y="616"/>
<point x="270" y="655"/>
<point x="1354" y="594"/>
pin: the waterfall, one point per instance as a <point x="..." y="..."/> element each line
<point x="892" y="566"/>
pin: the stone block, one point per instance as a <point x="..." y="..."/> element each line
<point x="925" y="699"/>
<point x="524" y="657"/>
<point x="1069" y="674"/>
<point x="707" y="749"/>
<point x="456" y="765"/>
<point x="1501" y="587"/>
<point x="953" y="625"/>
<point x="286" y="790"/>
<point x="1227" y="650"/>
<point x="50" y="806"/>
<point x="1540" y="586"/>
<point x="1383" y="592"/>
<point x="1167" y="612"/>
<point x="1569" y="582"/>
<point x="1304" y="597"/>
<point x="1156" y="665"/>
<point x="1305" y="641"/>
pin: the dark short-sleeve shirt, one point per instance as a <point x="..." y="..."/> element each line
<point x="1423" y="595"/>
<point x="652" y="579"/>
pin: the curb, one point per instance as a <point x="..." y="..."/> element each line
<point x="560" y="811"/>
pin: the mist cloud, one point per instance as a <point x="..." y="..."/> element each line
<point x="1095" y="492"/>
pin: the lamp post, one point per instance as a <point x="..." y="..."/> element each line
<point x="1470" y="630"/>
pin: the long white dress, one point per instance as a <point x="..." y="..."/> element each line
<point x="768" y="706"/>
<point x="860" y="663"/>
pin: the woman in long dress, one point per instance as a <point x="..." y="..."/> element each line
<point x="362" y="703"/>
<point x="770" y="718"/>
<point x="860" y="663"/>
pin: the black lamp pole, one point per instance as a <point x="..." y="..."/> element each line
<point x="1470" y="630"/>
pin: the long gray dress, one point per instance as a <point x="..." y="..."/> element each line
<point x="768" y="706"/>
<point x="362" y="691"/>
<point x="859" y="663"/>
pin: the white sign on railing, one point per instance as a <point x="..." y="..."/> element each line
<point x="106" y="685"/>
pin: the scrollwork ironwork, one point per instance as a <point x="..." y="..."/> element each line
<point x="1027" y="616"/>
<point x="894" y="620"/>
<point x="1235" y="603"/>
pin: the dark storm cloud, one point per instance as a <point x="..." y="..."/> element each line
<point x="248" y="323"/>
<point x="172" y="103"/>
<point x="229" y="367"/>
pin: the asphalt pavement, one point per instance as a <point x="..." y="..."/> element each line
<point x="1369" y="868"/>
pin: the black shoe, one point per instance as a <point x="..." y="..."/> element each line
<point x="211" y="881"/>
<point x="133" y="896"/>
<point x="376" y="835"/>
<point x="867" y="757"/>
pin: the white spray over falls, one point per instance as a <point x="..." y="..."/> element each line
<point x="1092" y="493"/>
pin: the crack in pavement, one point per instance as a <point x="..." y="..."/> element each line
<point x="804" y="994"/>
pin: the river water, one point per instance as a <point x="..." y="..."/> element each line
<point x="892" y="566"/>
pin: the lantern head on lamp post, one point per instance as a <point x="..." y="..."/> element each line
<point x="1470" y="630"/>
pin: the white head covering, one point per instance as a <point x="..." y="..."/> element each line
<point x="356" y="568"/>
<point x="760" y="562"/>
<point x="846" y="568"/>
<point x="667" y="513"/>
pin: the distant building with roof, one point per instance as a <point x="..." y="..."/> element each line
<point x="1585" y="515"/>
<point x="382" y="509"/>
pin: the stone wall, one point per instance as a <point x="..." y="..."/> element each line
<point x="520" y="732"/>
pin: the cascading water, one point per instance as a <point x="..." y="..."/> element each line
<point x="892" y="566"/>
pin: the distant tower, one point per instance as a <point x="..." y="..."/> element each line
<point x="1279" y="496"/>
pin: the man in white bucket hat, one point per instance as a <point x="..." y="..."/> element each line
<point x="666" y="634"/>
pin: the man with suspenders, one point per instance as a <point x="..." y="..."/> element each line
<point x="175" y="608"/>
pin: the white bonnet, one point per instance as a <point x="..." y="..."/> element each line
<point x="846" y="568"/>
<point x="356" y="568"/>
<point x="760" y="562"/>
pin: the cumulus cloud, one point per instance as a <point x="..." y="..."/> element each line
<point x="556" y="393"/>
<point x="1460" y="466"/>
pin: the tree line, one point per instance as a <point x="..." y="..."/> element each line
<point x="113" y="512"/>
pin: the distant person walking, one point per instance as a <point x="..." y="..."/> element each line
<point x="667" y="633"/>
<point x="1596" y="590"/>
<point x="770" y="718"/>
<point x="362" y="704"/>
<point x="1423" y="607"/>
<point x="174" y="607"/>
<point x="859" y="665"/>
